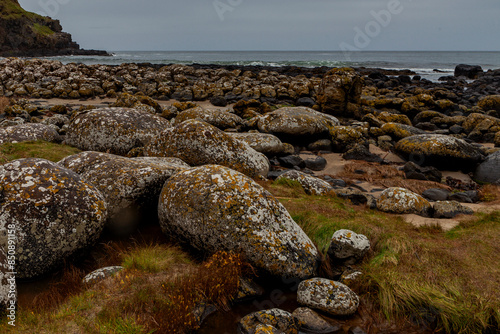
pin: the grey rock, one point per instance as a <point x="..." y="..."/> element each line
<point x="312" y="185"/>
<point x="101" y="274"/>
<point x="470" y="196"/>
<point x="403" y="201"/>
<point x="348" y="247"/>
<point x="436" y="194"/>
<point x="317" y="163"/>
<point x="291" y="161"/>
<point x="450" y="209"/>
<point x="28" y="132"/>
<point x="489" y="170"/>
<point x="416" y="172"/>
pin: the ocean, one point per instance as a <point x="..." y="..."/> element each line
<point x="430" y="65"/>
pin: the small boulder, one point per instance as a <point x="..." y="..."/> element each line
<point x="403" y="201"/>
<point x="312" y="185"/>
<point x="218" y="118"/>
<point x="399" y="131"/>
<point x="345" y="137"/>
<point x="264" y="143"/>
<point x="436" y="194"/>
<point x="348" y="247"/>
<point x="414" y="171"/>
<point x="470" y="196"/>
<point x="29" y="132"/>
<point x="489" y="170"/>
<point x="450" y="209"/>
<point x="292" y="161"/>
<point x="273" y="320"/>
<point x="317" y="163"/>
<point x="491" y="102"/>
<point x="328" y="296"/>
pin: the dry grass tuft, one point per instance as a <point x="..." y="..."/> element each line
<point x="490" y="193"/>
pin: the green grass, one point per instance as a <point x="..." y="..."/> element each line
<point x="153" y="258"/>
<point x="42" y="30"/>
<point x="39" y="149"/>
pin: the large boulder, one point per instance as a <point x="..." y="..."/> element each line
<point x="265" y="143"/>
<point x="296" y="122"/>
<point x="489" y="170"/>
<point x="130" y="186"/>
<point x="28" y="132"/>
<point x="328" y="296"/>
<point x="440" y="151"/>
<point x="199" y="143"/>
<point x="54" y="211"/>
<point x="339" y="87"/>
<point x="215" y="208"/>
<point x="218" y="118"/>
<point x="113" y="130"/>
<point x="403" y="201"/>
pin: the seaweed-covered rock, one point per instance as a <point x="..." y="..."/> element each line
<point x="339" y="87"/>
<point x="312" y="185"/>
<point x="28" y="132"/>
<point x="439" y="151"/>
<point x="450" y="209"/>
<point x="113" y="130"/>
<point x="269" y="321"/>
<point x="199" y="143"/>
<point x="296" y="122"/>
<point x="264" y="143"/>
<point x="403" y="201"/>
<point x="101" y="274"/>
<point x="55" y="212"/>
<point x="215" y="208"/>
<point x="130" y="186"/>
<point x="218" y="118"/>
<point x="489" y="170"/>
<point x="329" y="296"/>
<point x="348" y="246"/>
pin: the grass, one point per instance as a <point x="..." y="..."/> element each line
<point x="42" y="30"/>
<point x="38" y="149"/>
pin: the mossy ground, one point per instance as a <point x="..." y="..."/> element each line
<point x="39" y="149"/>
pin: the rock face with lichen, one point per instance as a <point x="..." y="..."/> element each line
<point x="130" y="186"/>
<point x="28" y="132"/>
<point x="215" y="208"/>
<point x="264" y="143"/>
<point x="55" y="213"/>
<point x="403" y="201"/>
<point x="348" y="246"/>
<point x="218" y="118"/>
<point x="328" y="296"/>
<point x="113" y="130"/>
<point x="199" y="143"/>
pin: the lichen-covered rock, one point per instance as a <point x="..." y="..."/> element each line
<point x="296" y="122"/>
<point x="489" y="170"/>
<point x="280" y="320"/>
<point x="312" y="185"/>
<point x="56" y="214"/>
<point x="348" y="246"/>
<point x="8" y="288"/>
<point x="101" y="274"/>
<point x="450" y="209"/>
<point x="393" y="118"/>
<point x="264" y="143"/>
<point x="113" y="130"/>
<point x="345" y="137"/>
<point x="480" y="122"/>
<point x="399" y="131"/>
<point x="491" y="102"/>
<point x="28" y="132"/>
<point x="329" y="296"/>
<point x="313" y="322"/>
<point x="215" y="208"/>
<point x="199" y="143"/>
<point x="218" y="118"/>
<point x="338" y="88"/>
<point x="403" y="201"/>
<point x="439" y="151"/>
<point x="130" y="186"/>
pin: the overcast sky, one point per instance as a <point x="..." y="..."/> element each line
<point x="117" y="25"/>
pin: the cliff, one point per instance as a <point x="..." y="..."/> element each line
<point x="23" y="33"/>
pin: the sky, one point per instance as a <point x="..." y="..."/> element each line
<point x="241" y="25"/>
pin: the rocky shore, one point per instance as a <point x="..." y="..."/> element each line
<point x="155" y="148"/>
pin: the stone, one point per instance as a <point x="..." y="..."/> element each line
<point x="468" y="71"/>
<point x="338" y="88"/>
<point x="436" y="194"/>
<point x="321" y="145"/>
<point x="348" y="247"/>
<point x="56" y="214"/>
<point x="215" y="208"/>
<point x="218" y="101"/>
<point x="491" y="102"/>
<point x="113" y="130"/>
<point x="199" y="143"/>
<point x="470" y="196"/>
<point x="248" y="289"/>
<point x="399" y="131"/>
<point x="440" y="151"/>
<point x="356" y="196"/>
<point x="312" y="185"/>
<point x="328" y="296"/>
<point x="28" y="132"/>
<point x="414" y="171"/>
<point x="317" y="163"/>
<point x="313" y="322"/>
<point x="489" y="170"/>
<point x="277" y="320"/>
<point x="345" y="137"/>
<point x="101" y="274"/>
<point x="450" y="209"/>
<point x="403" y="201"/>
<point x="131" y="186"/>
<point x="264" y="143"/>
<point x="361" y="152"/>
<point x="291" y="161"/>
<point x="218" y="118"/>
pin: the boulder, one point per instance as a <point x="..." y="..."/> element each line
<point x="313" y="322"/>
<point x="345" y="137"/>
<point x="491" y="102"/>
<point x="361" y="152"/>
<point x="468" y="71"/>
<point x="403" y="201"/>
<point x="263" y="142"/>
<point x="28" y="132"/>
<point x="399" y="131"/>
<point x="218" y="118"/>
<point x="215" y="208"/>
<point x="199" y="143"/>
<point x="489" y="170"/>
<point x="470" y="196"/>
<point x="113" y="130"/>
<point x="130" y="186"/>
<point x="414" y="171"/>
<point x="339" y="87"/>
<point x="450" y="209"/>
<point x="56" y="214"/>
<point x="316" y="163"/>
<point x="312" y="185"/>
<point x="436" y="194"/>
<point x="273" y="320"/>
<point x="328" y="296"/>
<point x="356" y="196"/>
<point x="292" y="161"/>
<point x="440" y="151"/>
<point x="348" y="247"/>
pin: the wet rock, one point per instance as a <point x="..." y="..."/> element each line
<point x="218" y="118"/>
<point x="312" y="185"/>
<point x="55" y="212"/>
<point x="468" y="71"/>
<point x="328" y="296"/>
<point x="403" y="201"/>
<point x="215" y="208"/>
<point x="101" y="274"/>
<point x="291" y="161"/>
<point x="131" y="187"/>
<point x="263" y="142"/>
<point x="199" y="143"/>
<point x="348" y="247"/>
<point x="436" y="194"/>
<point x="28" y="132"/>
<point x="450" y="209"/>
<point x="113" y="130"/>
<point x="317" y="163"/>
<point x="489" y="170"/>
<point x="339" y="88"/>
<point x="313" y="322"/>
<point x="414" y="171"/>
<point x="269" y="321"/>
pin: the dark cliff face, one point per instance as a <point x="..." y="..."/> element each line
<point x="28" y="34"/>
